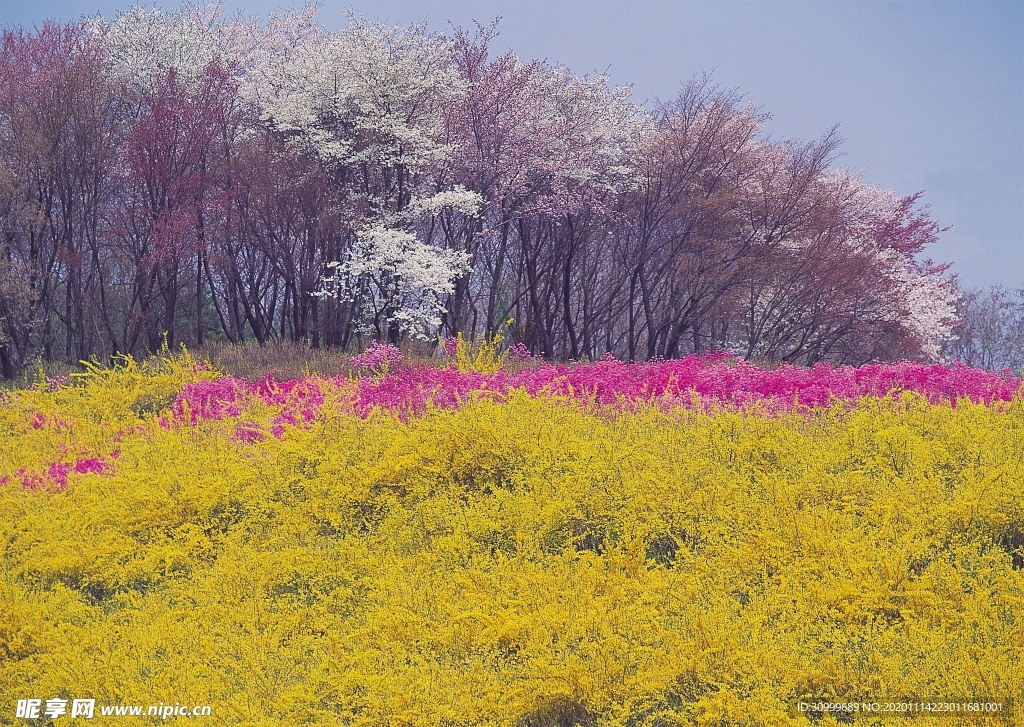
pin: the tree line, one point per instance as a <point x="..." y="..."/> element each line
<point x="195" y="177"/>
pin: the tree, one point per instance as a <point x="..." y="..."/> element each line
<point x="366" y="102"/>
<point x="397" y="281"/>
<point x="59" y="132"/>
<point x="548" y="152"/>
<point x="846" y="285"/>
<point x="990" y="334"/>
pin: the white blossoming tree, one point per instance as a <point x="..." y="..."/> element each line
<point x="368" y="102"/>
<point x="142" y="45"/>
<point x="396" y="281"/>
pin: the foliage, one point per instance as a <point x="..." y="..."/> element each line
<point x="514" y="563"/>
<point x="280" y="359"/>
<point x="66" y="423"/>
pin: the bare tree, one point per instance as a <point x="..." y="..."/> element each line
<point x="991" y="330"/>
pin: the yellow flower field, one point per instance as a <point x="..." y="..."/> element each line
<point x="521" y="562"/>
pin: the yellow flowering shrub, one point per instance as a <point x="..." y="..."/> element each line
<point x="91" y="415"/>
<point x="485" y="356"/>
<point x="527" y="563"/>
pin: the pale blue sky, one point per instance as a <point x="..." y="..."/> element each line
<point x="929" y="95"/>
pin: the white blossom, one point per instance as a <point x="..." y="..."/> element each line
<point x="927" y="307"/>
<point x="367" y="94"/>
<point x="142" y="45"/>
<point x="406" y="277"/>
<point x="458" y="199"/>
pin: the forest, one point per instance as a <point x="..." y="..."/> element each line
<point x="189" y="177"/>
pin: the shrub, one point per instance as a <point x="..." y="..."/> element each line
<point x="522" y="561"/>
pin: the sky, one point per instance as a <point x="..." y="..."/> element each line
<point x="928" y="95"/>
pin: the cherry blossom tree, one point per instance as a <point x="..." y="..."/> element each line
<point x="396" y="280"/>
<point x="547" y="151"/>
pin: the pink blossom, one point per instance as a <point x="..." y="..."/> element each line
<point x="520" y="352"/>
<point x="56" y="473"/>
<point x="248" y="433"/>
<point x="711" y="382"/>
<point x="377" y="356"/>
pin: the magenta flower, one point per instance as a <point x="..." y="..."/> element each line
<point x="379" y="356"/>
<point x="710" y="382"/>
<point x="56" y="473"/>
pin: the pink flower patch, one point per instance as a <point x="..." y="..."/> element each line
<point x="57" y="473"/>
<point x="378" y="355"/>
<point x="710" y="382"/>
<point x="248" y="433"/>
